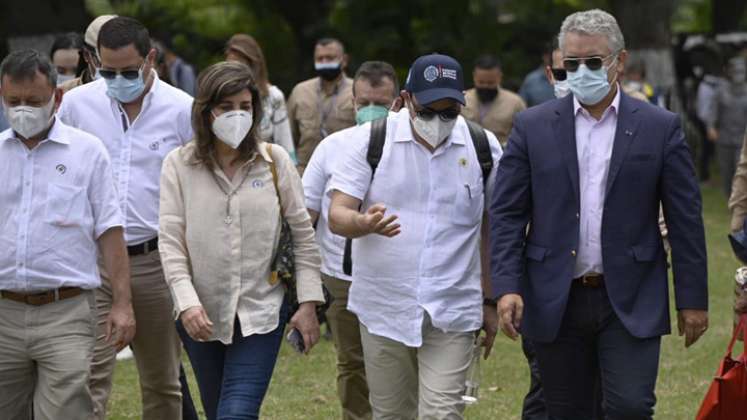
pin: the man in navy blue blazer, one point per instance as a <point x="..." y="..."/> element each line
<point x="587" y="282"/>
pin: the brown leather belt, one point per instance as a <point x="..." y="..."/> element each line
<point x="590" y="280"/>
<point x="42" y="298"/>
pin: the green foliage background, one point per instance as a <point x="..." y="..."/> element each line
<point x="392" y="30"/>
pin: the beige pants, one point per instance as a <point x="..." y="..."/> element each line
<point x="427" y="383"/>
<point x="45" y="353"/>
<point x="156" y="345"/>
<point x="351" y="373"/>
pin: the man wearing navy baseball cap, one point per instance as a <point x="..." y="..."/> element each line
<point x="412" y="194"/>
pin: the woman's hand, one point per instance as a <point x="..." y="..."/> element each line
<point x="306" y="323"/>
<point x="197" y="323"/>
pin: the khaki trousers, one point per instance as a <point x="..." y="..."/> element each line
<point x="156" y="345"/>
<point x="426" y="383"/>
<point x="351" y="373"/>
<point x="45" y="354"/>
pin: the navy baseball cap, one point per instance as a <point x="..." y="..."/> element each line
<point x="434" y="77"/>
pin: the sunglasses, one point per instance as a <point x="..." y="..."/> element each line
<point x="593" y="63"/>
<point x="428" y="114"/>
<point x="559" y="74"/>
<point x="127" y="74"/>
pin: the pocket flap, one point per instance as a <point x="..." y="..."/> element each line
<point x="536" y="253"/>
<point x="645" y="252"/>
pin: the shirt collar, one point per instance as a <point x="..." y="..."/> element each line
<point x="262" y="148"/>
<point x="614" y="106"/>
<point x="56" y="133"/>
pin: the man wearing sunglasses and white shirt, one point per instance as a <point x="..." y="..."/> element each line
<point x="418" y="288"/>
<point x="140" y="119"/>
<point x="587" y="283"/>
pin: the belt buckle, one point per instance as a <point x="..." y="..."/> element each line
<point x="585" y="280"/>
<point x="591" y="280"/>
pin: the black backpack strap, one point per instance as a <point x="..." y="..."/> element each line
<point x="482" y="147"/>
<point x="376" y="142"/>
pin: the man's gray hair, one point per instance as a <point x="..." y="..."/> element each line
<point x="593" y="22"/>
<point x="23" y="65"/>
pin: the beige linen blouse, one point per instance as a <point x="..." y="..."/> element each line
<point x="225" y="267"/>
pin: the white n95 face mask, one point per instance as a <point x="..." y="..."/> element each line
<point x="434" y="131"/>
<point x="29" y="121"/>
<point x="232" y="127"/>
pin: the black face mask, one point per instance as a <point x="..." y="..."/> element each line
<point x="329" y="74"/>
<point x="486" y="95"/>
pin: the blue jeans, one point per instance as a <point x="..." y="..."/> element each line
<point x="234" y="378"/>
<point x="594" y="350"/>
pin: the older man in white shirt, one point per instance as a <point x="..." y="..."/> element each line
<point x="417" y="265"/>
<point x="58" y="204"/>
<point x="140" y="120"/>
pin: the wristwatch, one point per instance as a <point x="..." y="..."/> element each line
<point x="492" y="302"/>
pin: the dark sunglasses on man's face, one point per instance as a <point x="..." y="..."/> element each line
<point x="593" y="63"/>
<point x="448" y="114"/>
<point x="559" y="74"/>
<point x="127" y="74"/>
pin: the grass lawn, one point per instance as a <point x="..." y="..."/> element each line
<point x="304" y="387"/>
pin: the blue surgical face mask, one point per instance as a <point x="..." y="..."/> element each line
<point x="124" y="90"/>
<point x="590" y="86"/>
<point x="561" y="88"/>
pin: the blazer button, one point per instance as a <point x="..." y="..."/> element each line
<point x="578" y="216"/>
<point x="573" y="253"/>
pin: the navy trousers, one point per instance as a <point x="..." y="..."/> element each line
<point x="233" y="379"/>
<point x="594" y="350"/>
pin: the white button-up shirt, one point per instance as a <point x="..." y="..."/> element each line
<point x="594" y="140"/>
<point x="137" y="148"/>
<point x="316" y="179"/>
<point x="55" y="201"/>
<point x="433" y="265"/>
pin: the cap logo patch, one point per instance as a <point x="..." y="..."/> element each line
<point x="431" y="73"/>
<point x="449" y="73"/>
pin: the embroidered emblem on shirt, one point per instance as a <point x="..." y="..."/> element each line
<point x="257" y="184"/>
<point x="61" y="169"/>
<point x="154" y="146"/>
<point x="463" y="162"/>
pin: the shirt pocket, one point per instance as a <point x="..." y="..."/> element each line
<point x="468" y="207"/>
<point x="308" y="119"/>
<point x="66" y="205"/>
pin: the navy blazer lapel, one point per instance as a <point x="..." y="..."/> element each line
<point x="565" y="135"/>
<point x="627" y="124"/>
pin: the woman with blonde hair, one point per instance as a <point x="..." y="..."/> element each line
<point x="220" y="223"/>
<point x="274" y="127"/>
